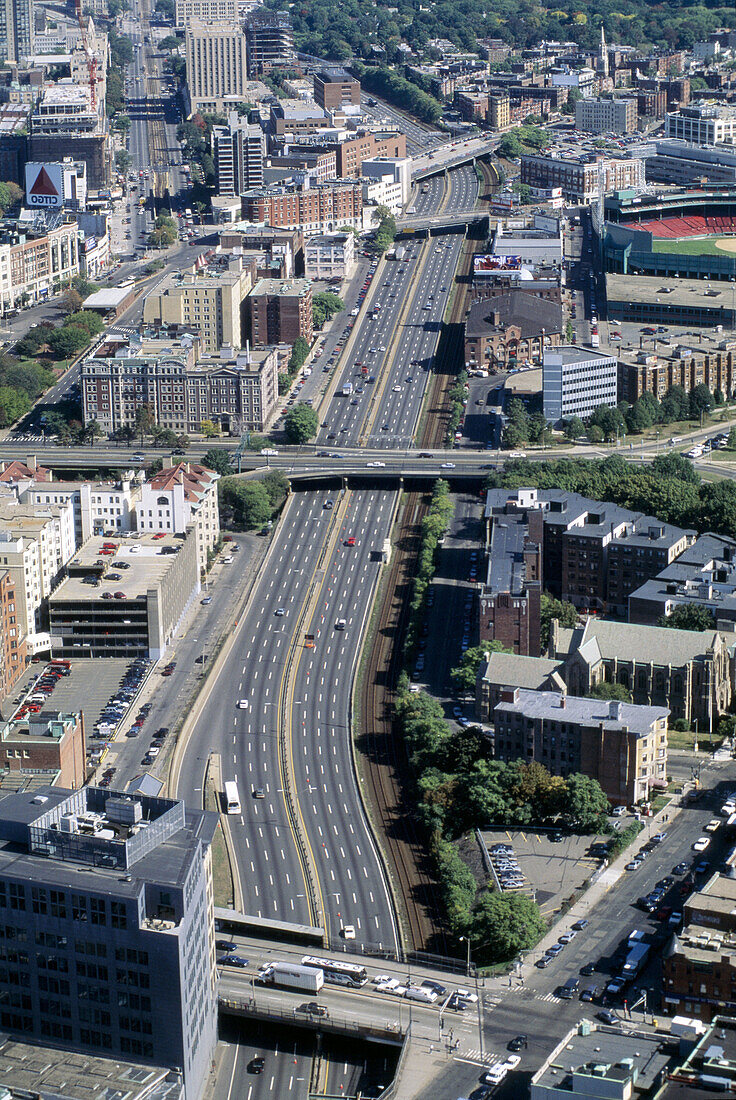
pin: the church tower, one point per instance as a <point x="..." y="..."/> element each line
<point x="602" y="65"/>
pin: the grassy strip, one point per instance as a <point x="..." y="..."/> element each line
<point x="434" y="526"/>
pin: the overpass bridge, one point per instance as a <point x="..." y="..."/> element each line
<point x="452" y="155"/>
<point x="429" y="225"/>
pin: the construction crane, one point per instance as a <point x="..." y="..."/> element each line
<point x="91" y="59"/>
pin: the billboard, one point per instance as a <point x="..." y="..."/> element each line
<point x="44" y="185"/>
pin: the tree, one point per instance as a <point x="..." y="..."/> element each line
<point x="165" y="8"/>
<point x="92" y="432"/>
<point x="277" y="488"/>
<point x="612" y="692"/>
<point x="166" y="437"/>
<point x="301" y="423"/>
<point x="732" y="440"/>
<point x="324" y="306"/>
<point x="209" y="429"/>
<point x="503" y="924"/>
<point x="123" y="160"/>
<point x="465" y="674"/>
<point x="248" y="502"/>
<point x="574" y="428"/>
<point x="551" y="608"/>
<point x="68" y="341"/>
<point x="72" y="301"/>
<point x="586" y="806"/>
<point x="170" y="42"/>
<point x="701" y="400"/>
<point x="11" y="195"/>
<point x="595" y="434"/>
<point x="218" y="460"/>
<point x="13" y="405"/>
<point x="689" y="616"/>
<point x="145" y="421"/>
<point x="299" y="353"/>
<point x="88" y="320"/>
<point x="121" y="122"/>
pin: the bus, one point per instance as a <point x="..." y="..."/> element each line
<point x="338" y="973"/>
<point x="232" y="798"/>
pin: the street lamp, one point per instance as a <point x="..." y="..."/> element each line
<point x="466" y="939"/>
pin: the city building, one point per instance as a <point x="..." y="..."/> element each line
<point x="702" y="124"/>
<point x="47" y="742"/>
<point x="205" y="11"/>
<point x="209" y="298"/>
<point x="509" y="601"/>
<point x="284" y="245"/>
<point x="352" y="148"/>
<point x="707" y="1055"/>
<point x="642" y="299"/>
<point x="138" y="616"/>
<point x="679" y="162"/>
<point x="329" y="256"/>
<point x="621" y="745"/>
<point x="114" y="892"/>
<point x="583" y="178"/>
<point x="503" y="672"/>
<point x="16" y="30"/>
<point x="13" y="652"/>
<point x="511" y="329"/>
<point x="180" y="390"/>
<point x="66" y="122"/>
<point x="576" y="381"/>
<point x="99" y="507"/>
<point x="605" y="1062"/>
<point x="279" y="311"/>
<point x="36" y="543"/>
<point x="582" y="80"/>
<point x="538" y="243"/>
<point x="699" y="968"/>
<point x="71" y="175"/>
<point x="499" y="111"/>
<point x="296" y="118"/>
<point x="687" y="671"/>
<point x="270" y="40"/>
<point x="181" y="497"/>
<point x="36" y="260"/>
<point x="710" y="362"/>
<point x="239" y="152"/>
<point x="336" y="88"/>
<point x="704" y="575"/>
<point x="594" y="553"/>
<point x="601" y="116"/>
<point x="498" y="275"/>
<point x="14" y="127"/>
<point x="386" y="182"/>
<point x="216" y="64"/>
<point x="324" y="208"/>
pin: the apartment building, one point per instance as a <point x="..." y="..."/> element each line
<point x="13" y="652"/>
<point x="205" y="11"/>
<point x="387" y="181"/>
<point x="704" y="575"/>
<point x="181" y="497"/>
<point x="239" y="151"/>
<point x="621" y="745"/>
<point x="237" y="391"/>
<point x="47" y="742"/>
<point x="329" y="256"/>
<point x="100" y="507"/>
<point x="16" y="30"/>
<point x="601" y="116"/>
<point x="216" y="64"/>
<point x="323" y="208"/>
<point x="699" y="969"/>
<point x="208" y="299"/>
<point x="509" y="601"/>
<point x="583" y="178"/>
<point x="279" y="311"/>
<point x="352" y="148"/>
<point x="270" y="40"/>
<point x="702" y="124"/>
<point x="35" y="262"/>
<point x="711" y="362"/>
<point x="115" y="893"/>
<point x="36" y="543"/>
<point x="499" y="111"/>
<point x="296" y="118"/>
<point x="594" y="553"/>
<point x="158" y="587"/>
<point x="336" y="88"/>
<point x="685" y="670"/>
<point x="576" y="381"/>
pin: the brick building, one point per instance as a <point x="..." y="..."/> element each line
<point x="509" y="602"/>
<point x="581" y="178"/>
<point x="46" y="742"/>
<point x="364" y="145"/>
<point x="335" y="88"/>
<point x="279" y="311"/>
<point x="12" y="637"/>
<point x="320" y="209"/>
<point x="509" y="329"/>
<point x="710" y="365"/>
<point x="699" y="970"/>
<point x="621" y="745"/>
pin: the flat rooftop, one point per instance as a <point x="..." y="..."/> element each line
<point x="598" y="712"/>
<point x="284" y="288"/>
<point x="692" y="293"/>
<point x="608" y="1047"/>
<point x="148" y="559"/>
<point x="53" y="1071"/>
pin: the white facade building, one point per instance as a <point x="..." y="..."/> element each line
<point x="706" y="124"/>
<point x="387" y="182"/>
<point x="576" y="381"/>
<point x="216" y="65"/>
<point x="329" y="256"/>
<point x="100" y="508"/>
<point x="177" y="497"/>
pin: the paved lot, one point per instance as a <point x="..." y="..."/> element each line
<point x="553" y="870"/>
<point x="91" y="684"/>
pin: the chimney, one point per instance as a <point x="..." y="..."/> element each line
<point x="563" y="700"/>
<point x="614" y="710"/>
<point x="31" y="463"/>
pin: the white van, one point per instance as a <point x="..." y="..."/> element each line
<point x="418" y="993"/>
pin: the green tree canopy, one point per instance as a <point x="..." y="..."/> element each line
<point x="324" y="306"/>
<point x="551" y="608"/>
<point x="503" y="924"/>
<point x="217" y="459"/>
<point x="689" y="616"/>
<point x="586" y="806"/>
<point x="68" y="341"/>
<point x="613" y="692"/>
<point x="301" y="423"/>
<point x="465" y="674"/>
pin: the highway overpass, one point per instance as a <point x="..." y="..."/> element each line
<point x="452" y="155"/>
<point x="434" y="224"/>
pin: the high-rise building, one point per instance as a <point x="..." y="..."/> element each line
<point x="602" y="116"/>
<point x="336" y="88"/>
<point x="209" y="300"/>
<point x="280" y="310"/>
<point x="16" y="29"/>
<point x="216" y="65"/>
<point x="239" y="149"/>
<point x="108" y="898"/>
<point x="204" y="10"/>
<point x="270" y="41"/>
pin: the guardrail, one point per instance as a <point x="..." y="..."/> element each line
<point x="343" y="1025"/>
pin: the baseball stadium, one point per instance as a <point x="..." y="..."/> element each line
<point x="688" y="234"/>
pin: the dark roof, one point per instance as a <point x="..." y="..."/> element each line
<point x="530" y="313"/>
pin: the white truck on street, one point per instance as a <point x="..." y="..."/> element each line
<point x="292" y="976"/>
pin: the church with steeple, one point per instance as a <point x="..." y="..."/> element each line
<point x="601" y="64"/>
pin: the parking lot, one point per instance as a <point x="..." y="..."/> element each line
<point x="553" y="870"/>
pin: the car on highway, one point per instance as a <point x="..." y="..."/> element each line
<point x="242" y="704"/>
<point x="447" y="465"/>
<point x="375" y="465"/>
<point x="256" y="1065"/>
<point x="340" y="624"/>
<point x="347" y="931"/>
<point x="279" y="612"/>
<point x="206" y="600"/>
